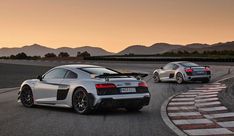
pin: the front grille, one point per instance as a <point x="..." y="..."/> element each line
<point x="115" y="91"/>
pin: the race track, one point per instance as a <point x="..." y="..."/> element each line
<point x="16" y="120"/>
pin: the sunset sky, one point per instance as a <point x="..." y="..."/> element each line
<point x="114" y="24"/>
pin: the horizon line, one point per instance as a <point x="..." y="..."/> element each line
<point x="209" y="44"/>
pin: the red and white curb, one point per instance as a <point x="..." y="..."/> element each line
<point x="199" y="112"/>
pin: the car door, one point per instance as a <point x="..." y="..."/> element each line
<point x="165" y="72"/>
<point x="69" y="77"/>
<point x="46" y="89"/>
<point x="173" y="71"/>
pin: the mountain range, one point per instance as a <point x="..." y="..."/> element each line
<point x="39" y="50"/>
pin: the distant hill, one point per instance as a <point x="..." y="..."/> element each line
<point x="165" y="47"/>
<point x="39" y="50"/>
<point x="197" y="45"/>
<point x="154" y="49"/>
<point x="220" y="46"/>
<point x="157" y="48"/>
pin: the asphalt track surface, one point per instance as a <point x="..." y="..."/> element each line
<point x="16" y="120"/>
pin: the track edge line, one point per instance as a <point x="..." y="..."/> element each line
<point x="168" y="121"/>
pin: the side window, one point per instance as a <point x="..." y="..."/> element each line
<point x="168" y="67"/>
<point x="175" y="67"/>
<point x="56" y="74"/>
<point x="70" y="75"/>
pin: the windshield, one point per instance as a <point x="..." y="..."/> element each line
<point x="99" y="70"/>
<point x="189" y="64"/>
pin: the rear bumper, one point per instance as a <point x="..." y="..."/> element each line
<point x="197" y="78"/>
<point x="121" y="102"/>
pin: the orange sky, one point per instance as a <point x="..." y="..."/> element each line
<point x="114" y="24"/>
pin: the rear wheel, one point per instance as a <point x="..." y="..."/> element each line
<point x="26" y="96"/>
<point x="81" y="102"/>
<point x="156" y="77"/>
<point x="179" y="78"/>
<point x="133" y="108"/>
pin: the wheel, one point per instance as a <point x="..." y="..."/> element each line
<point x="26" y="97"/>
<point x="133" y="108"/>
<point x="179" y="78"/>
<point x="206" y="80"/>
<point x="156" y="77"/>
<point x="81" y="102"/>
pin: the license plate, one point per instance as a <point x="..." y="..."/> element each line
<point x="200" y="72"/>
<point x="127" y="90"/>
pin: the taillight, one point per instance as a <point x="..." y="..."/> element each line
<point x="207" y="69"/>
<point x="142" y="84"/>
<point x="100" y="86"/>
<point x="188" y="70"/>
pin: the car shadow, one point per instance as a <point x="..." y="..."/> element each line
<point x="97" y="112"/>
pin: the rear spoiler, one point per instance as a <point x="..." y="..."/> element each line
<point x="136" y="75"/>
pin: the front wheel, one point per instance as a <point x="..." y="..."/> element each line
<point x="156" y="77"/>
<point x="26" y="97"/>
<point x="179" y="78"/>
<point x="81" y="102"/>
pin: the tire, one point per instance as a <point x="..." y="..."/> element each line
<point x="156" y="77"/>
<point x="81" y="102"/>
<point x="133" y="108"/>
<point x="26" y="97"/>
<point x="179" y="78"/>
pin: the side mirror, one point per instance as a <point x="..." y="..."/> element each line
<point x="39" y="77"/>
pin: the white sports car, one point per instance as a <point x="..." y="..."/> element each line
<point x="182" y="71"/>
<point x="85" y="88"/>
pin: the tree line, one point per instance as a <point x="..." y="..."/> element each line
<point x="23" y="55"/>
<point x="199" y="54"/>
<point x="184" y="53"/>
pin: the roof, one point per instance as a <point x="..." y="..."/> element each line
<point x="177" y="62"/>
<point x="76" y="66"/>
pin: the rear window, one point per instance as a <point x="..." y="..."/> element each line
<point x="99" y="70"/>
<point x="189" y="64"/>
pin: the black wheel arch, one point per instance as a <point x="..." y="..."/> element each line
<point x="90" y="95"/>
<point x="25" y="85"/>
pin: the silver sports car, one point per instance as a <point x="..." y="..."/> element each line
<point x="85" y="88"/>
<point x="182" y="71"/>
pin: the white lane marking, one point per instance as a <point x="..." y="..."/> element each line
<point x="220" y="115"/>
<point x="183" y="99"/>
<point x="182" y="108"/>
<point x="211" y="131"/>
<point x="185" y="96"/>
<point x="213" y="108"/>
<point x="184" y="114"/>
<point x="209" y="88"/>
<point x="181" y="103"/>
<point x="192" y="121"/>
<point x="207" y="96"/>
<point x="207" y="100"/>
<point x="196" y="90"/>
<point x="208" y="103"/>
<point x="226" y="124"/>
<point x="221" y="87"/>
<point x="213" y="90"/>
<point x="208" y="93"/>
<point x="190" y="93"/>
